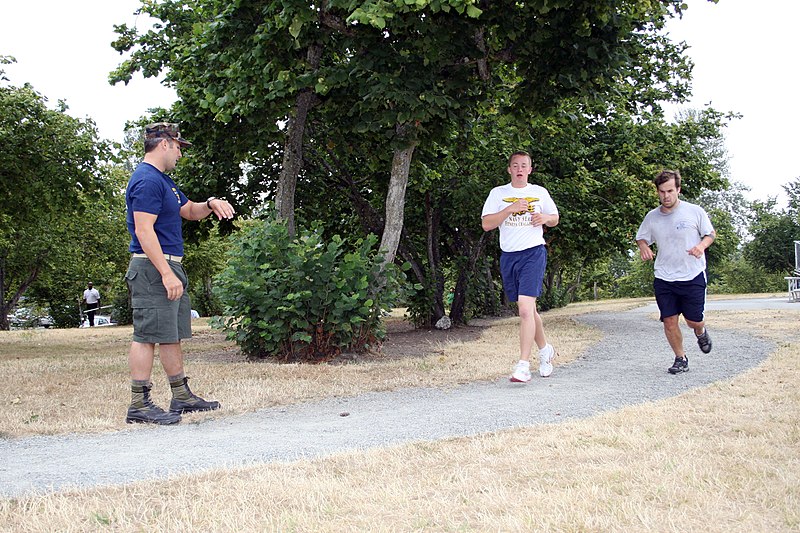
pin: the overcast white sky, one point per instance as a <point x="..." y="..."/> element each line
<point x="63" y="48"/>
<point x="746" y="57"/>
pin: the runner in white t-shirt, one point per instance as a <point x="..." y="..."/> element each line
<point x="521" y="210"/>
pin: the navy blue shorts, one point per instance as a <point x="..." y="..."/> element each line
<point x="682" y="297"/>
<point x="523" y="272"/>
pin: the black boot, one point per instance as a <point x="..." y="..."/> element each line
<point x="185" y="401"/>
<point x="143" y="410"/>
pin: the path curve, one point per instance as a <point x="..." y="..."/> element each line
<point x="628" y="366"/>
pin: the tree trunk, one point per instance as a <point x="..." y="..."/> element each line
<point x="494" y="302"/>
<point x="396" y="201"/>
<point x="483" y="63"/>
<point x="7" y="306"/>
<point x="432" y="216"/>
<point x="293" y="147"/>
<point x="460" y="292"/>
<point x="370" y="219"/>
<point x="573" y="288"/>
<point x="4" y="326"/>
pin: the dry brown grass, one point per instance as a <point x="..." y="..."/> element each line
<point x="67" y="381"/>
<point x="722" y="458"/>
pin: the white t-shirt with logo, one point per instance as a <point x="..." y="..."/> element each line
<point x="516" y="231"/>
<point x="675" y="233"/>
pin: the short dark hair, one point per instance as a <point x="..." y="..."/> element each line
<point x="150" y="144"/>
<point x="666" y="175"/>
<point x="520" y="152"/>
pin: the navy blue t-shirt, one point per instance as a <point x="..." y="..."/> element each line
<point x="151" y="191"/>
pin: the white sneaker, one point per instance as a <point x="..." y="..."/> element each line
<point x="522" y="373"/>
<point x="546" y="356"/>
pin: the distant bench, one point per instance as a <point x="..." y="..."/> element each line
<point x="794" y="287"/>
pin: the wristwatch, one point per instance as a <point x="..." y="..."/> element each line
<point x="208" y="202"/>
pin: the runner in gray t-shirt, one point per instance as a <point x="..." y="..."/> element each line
<point x="682" y="231"/>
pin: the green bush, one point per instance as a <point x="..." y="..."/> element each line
<point x="122" y="313"/>
<point x="484" y="292"/>
<point x="637" y="282"/>
<point x="302" y="299"/>
<point x="65" y="314"/>
<point x="203" y="261"/>
<point x="420" y="304"/>
<point x="739" y="276"/>
<point x="552" y="297"/>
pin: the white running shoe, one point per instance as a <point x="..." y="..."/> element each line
<point x="546" y="356"/>
<point x="522" y="373"/>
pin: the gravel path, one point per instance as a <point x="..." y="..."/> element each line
<point x="627" y="367"/>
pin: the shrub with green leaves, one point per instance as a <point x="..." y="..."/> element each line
<point x="302" y="298"/>
<point x="736" y="275"/>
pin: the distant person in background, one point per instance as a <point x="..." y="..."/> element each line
<point x="682" y="232"/>
<point x="156" y="278"/>
<point x="91" y="301"/>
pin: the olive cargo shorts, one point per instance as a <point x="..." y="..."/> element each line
<point x="156" y="319"/>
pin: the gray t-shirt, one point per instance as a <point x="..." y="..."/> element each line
<point x="676" y="233"/>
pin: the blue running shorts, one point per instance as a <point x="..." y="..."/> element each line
<point x="523" y="272"/>
<point x="682" y="297"/>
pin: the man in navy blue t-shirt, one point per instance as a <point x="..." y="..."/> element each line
<point x="156" y="278"/>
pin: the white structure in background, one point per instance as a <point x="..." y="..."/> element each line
<point x="99" y="321"/>
<point x="794" y="279"/>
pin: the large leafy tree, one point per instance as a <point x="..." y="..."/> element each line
<point x="396" y="70"/>
<point x="345" y="110"/>
<point x="597" y="158"/>
<point x="49" y="174"/>
<point x="95" y="249"/>
<point x="774" y="231"/>
<point x="430" y="68"/>
<point x="245" y="72"/>
<point x="600" y="170"/>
